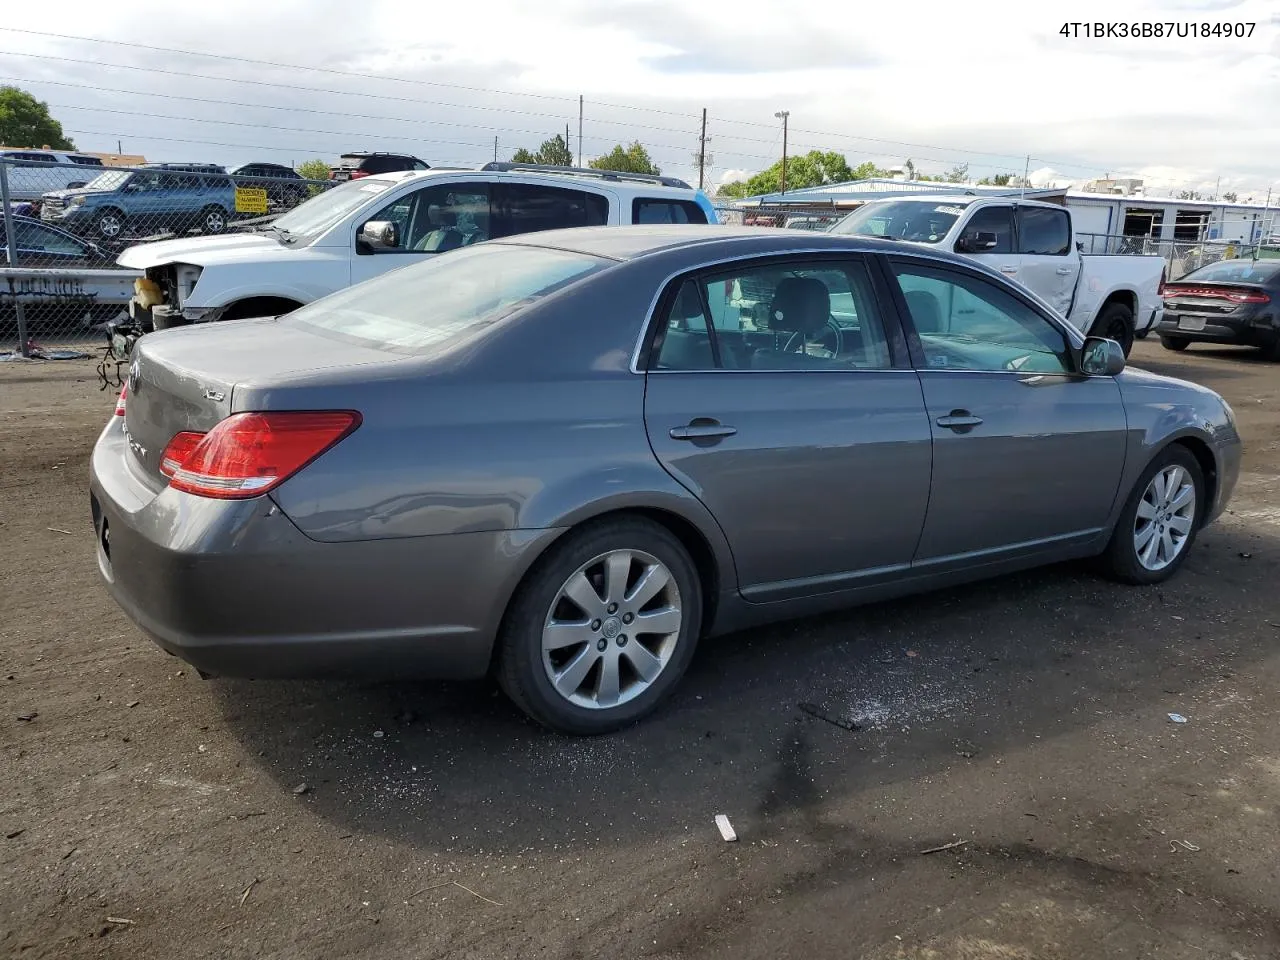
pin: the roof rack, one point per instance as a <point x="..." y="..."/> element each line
<point x="504" y="166"/>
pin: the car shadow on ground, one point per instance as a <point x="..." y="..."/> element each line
<point x="770" y="720"/>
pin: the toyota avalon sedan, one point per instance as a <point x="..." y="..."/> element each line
<point x="561" y="459"/>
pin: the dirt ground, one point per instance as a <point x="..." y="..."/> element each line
<point x="148" y="814"/>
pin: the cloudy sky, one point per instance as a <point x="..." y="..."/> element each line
<point x="985" y="83"/>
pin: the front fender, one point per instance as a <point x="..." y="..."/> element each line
<point x="1161" y="411"/>
<point x="220" y="286"/>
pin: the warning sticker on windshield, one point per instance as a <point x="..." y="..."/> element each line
<point x="954" y="211"/>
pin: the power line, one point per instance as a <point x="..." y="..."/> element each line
<point x="329" y="70"/>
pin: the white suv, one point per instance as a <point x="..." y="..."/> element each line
<point x="33" y="173"/>
<point x="380" y="222"/>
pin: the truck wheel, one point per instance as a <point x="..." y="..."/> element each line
<point x="1176" y="344"/>
<point x="1116" y="323"/>
<point x="110" y="224"/>
<point x="213" y="220"/>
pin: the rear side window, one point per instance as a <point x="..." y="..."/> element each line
<point x="653" y="210"/>
<point x="86" y="161"/>
<point x="530" y="207"/>
<point x="1043" y="232"/>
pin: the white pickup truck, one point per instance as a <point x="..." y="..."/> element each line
<point x="1032" y="243"/>
<point x="380" y="222"/>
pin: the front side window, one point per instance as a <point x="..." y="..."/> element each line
<point x="439" y="218"/>
<point x="1044" y="232"/>
<point x="440" y="301"/>
<point x="968" y="323"/>
<point x="35" y="238"/>
<point x="530" y="207"/>
<point x="779" y="316"/>
<point x="997" y="220"/>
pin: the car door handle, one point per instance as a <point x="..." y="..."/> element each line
<point x="1063" y="271"/>
<point x="1009" y="268"/>
<point x="961" y="421"/>
<point x="703" y="428"/>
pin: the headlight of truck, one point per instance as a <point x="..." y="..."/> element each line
<point x="75" y="201"/>
<point x="186" y="276"/>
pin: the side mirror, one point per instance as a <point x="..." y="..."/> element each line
<point x="380" y="235"/>
<point x="76" y="184"/>
<point x="979" y="241"/>
<point x="1101" y="357"/>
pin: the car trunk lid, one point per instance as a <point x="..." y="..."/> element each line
<point x="185" y="379"/>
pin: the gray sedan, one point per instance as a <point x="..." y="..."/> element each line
<point x="563" y="458"/>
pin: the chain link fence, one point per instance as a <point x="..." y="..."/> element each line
<point x="1182" y="256"/>
<point x="63" y="225"/>
<point x="792" y="216"/>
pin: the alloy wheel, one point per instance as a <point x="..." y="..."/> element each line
<point x="612" y="629"/>
<point x="1165" y="518"/>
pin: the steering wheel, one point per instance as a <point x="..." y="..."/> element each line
<point x="833" y="329"/>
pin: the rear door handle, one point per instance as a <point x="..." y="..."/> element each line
<point x="1009" y="268"/>
<point x="1063" y="271"/>
<point x="703" y="428"/>
<point x="961" y="421"/>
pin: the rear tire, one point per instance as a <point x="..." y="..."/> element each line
<point x="1116" y="323"/>
<point x="564" y="656"/>
<point x="213" y="220"/>
<point x="1155" y="513"/>
<point x="1176" y="344"/>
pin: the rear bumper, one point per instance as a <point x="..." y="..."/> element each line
<point x="1241" y="330"/>
<point x="235" y="589"/>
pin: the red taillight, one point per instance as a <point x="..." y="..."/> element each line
<point x="1164" y="279"/>
<point x="178" y="450"/>
<point x="124" y="393"/>
<point x="357" y="174"/>
<point x="248" y="454"/>
<point x="1234" y="294"/>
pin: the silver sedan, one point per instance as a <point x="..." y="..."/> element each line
<point x="563" y="458"/>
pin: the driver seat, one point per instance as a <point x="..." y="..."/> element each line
<point x="800" y="305"/>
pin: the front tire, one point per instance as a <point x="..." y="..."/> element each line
<point x="1116" y="323"/>
<point x="1176" y="344"/>
<point x="603" y="628"/>
<point x="110" y="224"/>
<point x="1160" y="520"/>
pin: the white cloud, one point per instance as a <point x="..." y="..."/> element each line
<point x="947" y="85"/>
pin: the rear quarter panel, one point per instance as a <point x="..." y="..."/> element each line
<point x="1102" y="276"/>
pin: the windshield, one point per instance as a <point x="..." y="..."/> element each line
<point x="325" y="209"/>
<point x="448" y="297"/>
<point x="921" y="221"/>
<point x="111" y="180"/>
<point x="1235" y="271"/>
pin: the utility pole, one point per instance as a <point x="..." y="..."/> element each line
<point x="579" y="129"/>
<point x="783" y="115"/>
<point x="702" y="149"/>
<point x="495" y="148"/>
<point x="568" y="149"/>
<point x="1026" y="172"/>
<point x="119" y="149"/>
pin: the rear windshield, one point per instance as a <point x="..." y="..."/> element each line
<point x="1235" y="271"/>
<point x="447" y="298"/>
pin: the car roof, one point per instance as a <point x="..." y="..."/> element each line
<point x="630" y="242"/>
<point x="628" y="188"/>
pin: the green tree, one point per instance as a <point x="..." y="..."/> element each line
<point x="554" y="153"/>
<point x="25" y="122"/>
<point x="733" y="190"/>
<point x="999" y="180"/>
<point x="813" y="169"/>
<point x="313" y="170"/>
<point x="957" y="174"/>
<point x="1231" y="196"/>
<point x="632" y="159"/>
